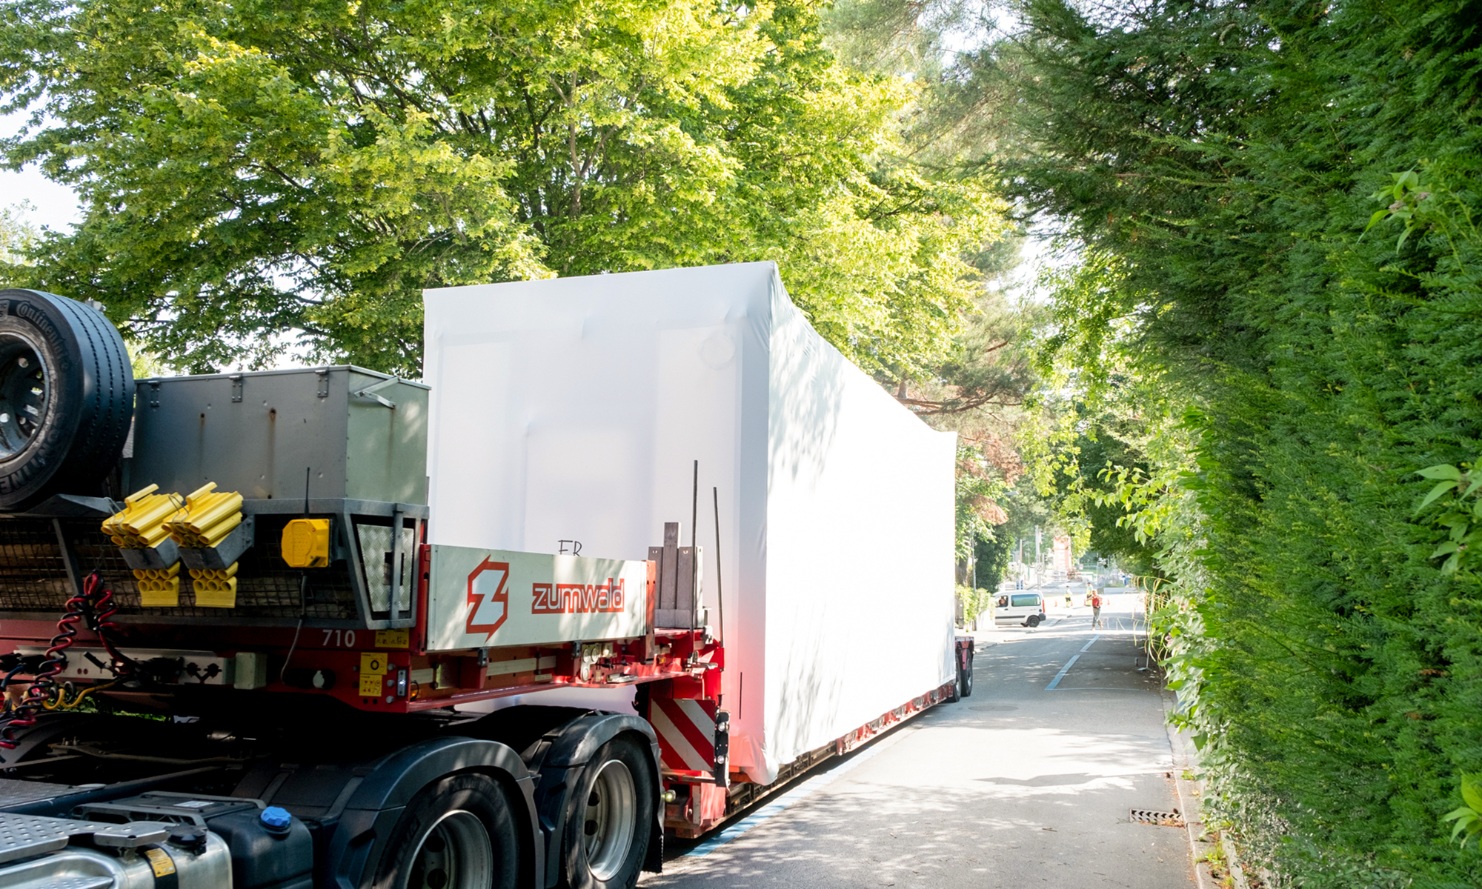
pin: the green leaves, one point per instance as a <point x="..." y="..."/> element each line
<point x="1403" y="198"/>
<point x="17" y="236"/>
<point x="1219" y="164"/>
<point x="1467" y="817"/>
<point x="1441" y="471"/>
<point x="263" y="179"/>
<point x="1462" y="521"/>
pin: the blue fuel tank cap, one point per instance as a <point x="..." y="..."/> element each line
<point x="276" y="819"/>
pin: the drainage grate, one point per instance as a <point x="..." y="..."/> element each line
<point x="1162" y="819"/>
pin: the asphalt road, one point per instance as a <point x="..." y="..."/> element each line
<point x="1032" y="781"/>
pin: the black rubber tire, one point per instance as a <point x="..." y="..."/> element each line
<point x="66" y="398"/>
<point x="965" y="677"/>
<point x="615" y="868"/>
<point x="447" y="816"/>
<point x="1032" y="621"/>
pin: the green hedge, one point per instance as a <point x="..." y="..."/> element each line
<point x="1289" y="193"/>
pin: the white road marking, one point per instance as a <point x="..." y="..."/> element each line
<point x="1071" y="663"/>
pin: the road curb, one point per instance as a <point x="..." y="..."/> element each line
<point x="1205" y="844"/>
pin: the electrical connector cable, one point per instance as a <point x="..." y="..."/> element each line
<point x="303" y="611"/>
<point x="95" y="607"/>
<point x="23" y="714"/>
<point x="7" y="703"/>
<point x="59" y="700"/>
<point x="98" y="609"/>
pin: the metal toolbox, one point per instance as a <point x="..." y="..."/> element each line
<point x="317" y="433"/>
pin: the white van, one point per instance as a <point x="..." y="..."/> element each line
<point x="1022" y="608"/>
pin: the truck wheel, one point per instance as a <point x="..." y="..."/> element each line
<point x="965" y="678"/>
<point x="456" y="834"/>
<point x="66" y="397"/>
<point x="610" y="818"/>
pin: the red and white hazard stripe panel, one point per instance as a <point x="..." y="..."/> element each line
<point x="686" y="731"/>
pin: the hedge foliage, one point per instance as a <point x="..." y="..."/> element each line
<point x="1280" y="202"/>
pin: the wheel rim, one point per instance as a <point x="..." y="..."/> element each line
<point x="608" y="821"/>
<point x="454" y="854"/>
<point x="25" y="394"/>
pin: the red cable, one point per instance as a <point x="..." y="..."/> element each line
<point x="94" y="605"/>
<point x="24" y="714"/>
<point x="101" y="622"/>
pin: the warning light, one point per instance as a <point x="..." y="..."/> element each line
<point x="306" y="543"/>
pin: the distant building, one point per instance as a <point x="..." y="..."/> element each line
<point x="1060" y="558"/>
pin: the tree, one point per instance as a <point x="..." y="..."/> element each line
<point x="258" y="177"/>
<point x="979" y="386"/>
<point x="17" y="235"/>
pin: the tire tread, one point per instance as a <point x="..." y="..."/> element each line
<point x="94" y="387"/>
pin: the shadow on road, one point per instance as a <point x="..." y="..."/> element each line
<point x="1015" y="786"/>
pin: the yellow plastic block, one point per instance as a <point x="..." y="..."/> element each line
<point x="141" y="523"/>
<point x="209" y="516"/>
<point x="306" y="543"/>
<point x="159" y="588"/>
<point x="216" y="589"/>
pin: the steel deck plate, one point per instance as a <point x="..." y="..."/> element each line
<point x="14" y="792"/>
<point x="30" y="836"/>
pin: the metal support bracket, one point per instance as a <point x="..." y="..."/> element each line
<point x="369" y="392"/>
<point x="219" y="557"/>
<point x="152" y="558"/>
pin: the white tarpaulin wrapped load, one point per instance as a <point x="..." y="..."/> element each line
<point x="572" y="410"/>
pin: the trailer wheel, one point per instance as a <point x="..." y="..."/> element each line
<point x="965" y="677"/>
<point x="66" y="397"/>
<point x="456" y="834"/>
<point x="610" y="818"/>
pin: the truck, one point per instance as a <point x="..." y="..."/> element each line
<point x="325" y="627"/>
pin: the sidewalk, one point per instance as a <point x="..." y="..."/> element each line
<point x="1215" y="864"/>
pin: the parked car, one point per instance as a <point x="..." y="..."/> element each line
<point x="1024" y="609"/>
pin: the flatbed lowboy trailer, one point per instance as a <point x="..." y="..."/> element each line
<point x="259" y="667"/>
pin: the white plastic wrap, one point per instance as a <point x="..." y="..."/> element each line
<point x="572" y="410"/>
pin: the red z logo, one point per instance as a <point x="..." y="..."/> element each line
<point x="488" y="597"/>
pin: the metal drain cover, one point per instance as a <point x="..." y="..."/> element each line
<point x="1162" y="819"/>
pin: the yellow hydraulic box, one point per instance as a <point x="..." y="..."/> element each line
<point x="306" y="543"/>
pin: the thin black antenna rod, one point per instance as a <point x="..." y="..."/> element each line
<point x="303" y="590"/>
<point x="694" y="551"/>
<point x="720" y="598"/>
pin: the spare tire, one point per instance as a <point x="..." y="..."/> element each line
<point x="66" y="398"/>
